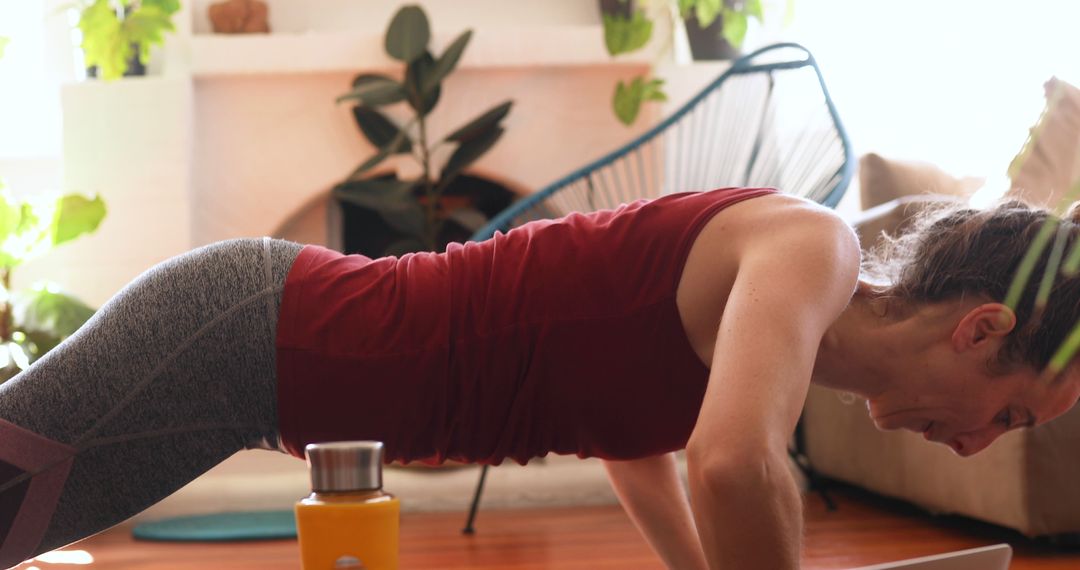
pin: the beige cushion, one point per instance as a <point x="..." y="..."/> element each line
<point x="882" y="180"/>
<point x="891" y="217"/>
<point x="1049" y="163"/>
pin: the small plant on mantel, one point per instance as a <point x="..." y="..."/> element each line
<point x="414" y="208"/>
<point x="117" y="34"/>
<point x="33" y="322"/>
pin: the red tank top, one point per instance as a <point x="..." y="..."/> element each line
<point x="559" y="336"/>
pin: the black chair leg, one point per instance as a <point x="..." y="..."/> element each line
<point x="469" y="529"/>
<point x="817" y="483"/>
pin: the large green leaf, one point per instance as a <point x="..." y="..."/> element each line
<point x="481" y="124"/>
<point x="408" y="35"/>
<point x="48" y="316"/>
<point x="374" y="90"/>
<point x="384" y="152"/>
<point x="623" y="35"/>
<point x="103" y="43"/>
<point x="379" y="129"/>
<point x="391" y="198"/>
<point x="146" y="27"/>
<point x="734" y="28"/>
<point x="415" y="76"/>
<point x="754" y="9"/>
<point x="706" y="11"/>
<point x="629" y="98"/>
<point x="10" y="216"/>
<point x="469" y="152"/>
<point x="447" y="62"/>
<point x="168" y="6"/>
<point x="76" y="215"/>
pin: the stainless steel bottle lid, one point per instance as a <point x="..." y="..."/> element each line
<point x="345" y="466"/>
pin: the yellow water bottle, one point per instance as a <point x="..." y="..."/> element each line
<point x="347" y="522"/>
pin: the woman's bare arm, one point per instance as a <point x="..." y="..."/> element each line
<point x="792" y="283"/>
<point x="652" y="494"/>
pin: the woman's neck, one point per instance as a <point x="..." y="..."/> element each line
<point x="856" y="351"/>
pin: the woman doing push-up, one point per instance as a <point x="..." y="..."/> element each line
<point x="694" y="321"/>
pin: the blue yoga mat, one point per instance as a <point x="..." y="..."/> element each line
<point x="221" y="527"/>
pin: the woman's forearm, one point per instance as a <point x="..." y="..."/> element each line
<point x="748" y="515"/>
<point x="652" y="493"/>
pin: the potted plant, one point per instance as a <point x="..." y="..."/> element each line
<point x="416" y="209"/>
<point x="33" y="322"/>
<point x="117" y="34"/>
<point x="715" y="29"/>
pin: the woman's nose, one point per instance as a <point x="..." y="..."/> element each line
<point x="970" y="443"/>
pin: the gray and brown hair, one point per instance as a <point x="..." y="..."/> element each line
<point x="955" y="251"/>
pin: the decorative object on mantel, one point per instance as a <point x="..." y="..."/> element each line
<point x="33" y="322"/>
<point x="715" y="30"/>
<point x="419" y="212"/>
<point x="117" y="34"/>
<point x="240" y="17"/>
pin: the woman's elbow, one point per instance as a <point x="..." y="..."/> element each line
<point x="721" y="466"/>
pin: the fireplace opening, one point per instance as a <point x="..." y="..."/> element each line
<point x="363" y="231"/>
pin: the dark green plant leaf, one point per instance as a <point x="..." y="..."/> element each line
<point x="391" y="198"/>
<point x="481" y="124"/>
<point x="415" y="74"/>
<point x="629" y="98"/>
<point x="76" y="215"/>
<point x="408" y="35"/>
<point x="623" y="35"/>
<point x="374" y="90"/>
<point x="379" y="129"/>
<point x="393" y="148"/>
<point x="468" y="218"/>
<point x="706" y="11"/>
<point x="49" y="315"/>
<point x="407" y="245"/>
<point x="447" y="62"/>
<point x="469" y="152"/>
<point x="734" y="28"/>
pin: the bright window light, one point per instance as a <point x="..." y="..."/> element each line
<point x="30" y="119"/>
<point x="956" y="83"/>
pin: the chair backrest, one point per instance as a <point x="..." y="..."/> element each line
<point x="766" y="121"/>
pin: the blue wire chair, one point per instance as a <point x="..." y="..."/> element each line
<point x="766" y="121"/>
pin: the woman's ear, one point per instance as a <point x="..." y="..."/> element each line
<point x="985" y="322"/>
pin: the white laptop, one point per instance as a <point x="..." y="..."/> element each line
<point x="994" y="557"/>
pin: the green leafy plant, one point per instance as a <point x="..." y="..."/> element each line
<point x="116" y="32"/>
<point x="415" y="207"/>
<point x="33" y="322"/>
<point x="626" y="34"/>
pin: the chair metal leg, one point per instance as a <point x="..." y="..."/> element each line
<point x="469" y="529"/>
<point x="816" y="482"/>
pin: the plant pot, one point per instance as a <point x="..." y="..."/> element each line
<point x="365" y="232"/>
<point x="135" y="67"/>
<point x="624" y="9"/>
<point x="708" y="44"/>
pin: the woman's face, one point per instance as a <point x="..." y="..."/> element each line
<point x="956" y="401"/>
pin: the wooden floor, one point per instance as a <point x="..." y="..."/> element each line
<point x="865" y="529"/>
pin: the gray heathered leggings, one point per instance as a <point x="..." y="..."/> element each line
<point x="170" y="377"/>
